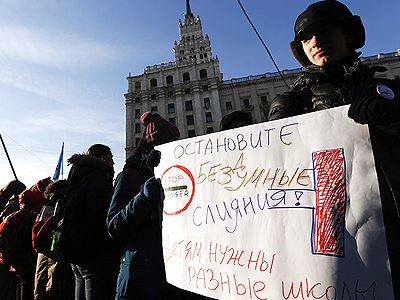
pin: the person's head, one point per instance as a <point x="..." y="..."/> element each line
<point x="55" y="188"/>
<point x="326" y="32"/>
<point x="13" y="188"/>
<point x="235" y="119"/>
<point x="102" y="152"/>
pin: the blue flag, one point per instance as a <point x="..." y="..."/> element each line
<point x="59" y="168"/>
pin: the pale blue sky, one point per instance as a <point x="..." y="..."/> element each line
<point x="63" y="64"/>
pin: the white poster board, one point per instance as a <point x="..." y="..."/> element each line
<point x="288" y="209"/>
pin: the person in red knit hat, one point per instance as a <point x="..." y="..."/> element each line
<point x="134" y="217"/>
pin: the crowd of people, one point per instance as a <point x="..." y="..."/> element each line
<point x="107" y="244"/>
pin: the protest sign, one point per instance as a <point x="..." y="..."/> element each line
<point x="288" y="209"/>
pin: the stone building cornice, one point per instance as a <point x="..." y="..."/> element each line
<point x="293" y="73"/>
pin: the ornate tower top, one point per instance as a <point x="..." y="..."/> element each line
<point x="188" y="10"/>
<point x="193" y="46"/>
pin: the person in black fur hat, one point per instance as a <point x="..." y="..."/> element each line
<point x="326" y="38"/>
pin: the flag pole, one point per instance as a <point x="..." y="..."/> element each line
<point x="8" y="157"/>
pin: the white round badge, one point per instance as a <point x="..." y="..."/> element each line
<point x="385" y="92"/>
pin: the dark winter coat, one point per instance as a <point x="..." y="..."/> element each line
<point x="94" y="178"/>
<point x="347" y="82"/>
<point x="131" y="220"/>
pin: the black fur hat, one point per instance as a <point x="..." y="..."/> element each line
<point x="321" y="13"/>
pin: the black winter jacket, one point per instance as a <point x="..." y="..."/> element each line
<point x="94" y="179"/>
<point x="351" y="82"/>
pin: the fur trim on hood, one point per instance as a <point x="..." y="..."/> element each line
<point x="83" y="165"/>
<point x="87" y="161"/>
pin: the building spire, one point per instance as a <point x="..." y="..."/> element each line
<point x="188" y="10"/>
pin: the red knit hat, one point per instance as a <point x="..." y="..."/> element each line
<point x="34" y="197"/>
<point x="157" y="130"/>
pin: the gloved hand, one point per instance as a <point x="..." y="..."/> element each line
<point x="153" y="159"/>
<point x="374" y="110"/>
<point x="152" y="188"/>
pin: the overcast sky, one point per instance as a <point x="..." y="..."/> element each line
<point x="63" y="64"/>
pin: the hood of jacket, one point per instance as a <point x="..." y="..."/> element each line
<point x="83" y="165"/>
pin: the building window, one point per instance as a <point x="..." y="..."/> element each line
<point x="191" y="50"/>
<point x="188" y="105"/>
<point x="170" y="93"/>
<point x="171" y="108"/>
<point x="153" y="97"/>
<point x="181" y="52"/>
<point x="186" y="77"/>
<point x="137" y="99"/>
<point x="137" y="113"/>
<point x="189" y="120"/>
<point x="205" y="88"/>
<point x="205" y="55"/>
<point x="208" y="117"/>
<point x="187" y="91"/>
<point x="138" y="86"/>
<point x="264" y="100"/>
<point x="191" y="133"/>
<point x="137" y="141"/>
<point x="201" y="56"/>
<point x="228" y="105"/>
<point x="207" y="103"/>
<point x="246" y="103"/>
<point x="137" y="127"/>
<point x="153" y="83"/>
<point x="210" y="130"/>
<point x="172" y="121"/>
<point x="153" y="109"/>
<point x="170" y="80"/>
<point x="203" y="73"/>
<point x="202" y="48"/>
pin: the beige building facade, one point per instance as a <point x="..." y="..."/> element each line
<point x="191" y="93"/>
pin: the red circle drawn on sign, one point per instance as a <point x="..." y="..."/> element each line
<point x="188" y="173"/>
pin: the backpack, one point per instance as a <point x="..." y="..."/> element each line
<point x="42" y="231"/>
<point x="11" y="206"/>
<point x="70" y="241"/>
<point x="15" y="241"/>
